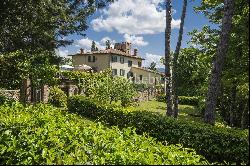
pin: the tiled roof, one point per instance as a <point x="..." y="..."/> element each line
<point x="110" y="51"/>
<point x="145" y="69"/>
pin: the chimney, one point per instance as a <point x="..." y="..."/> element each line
<point x="81" y="51"/>
<point x="135" y="52"/>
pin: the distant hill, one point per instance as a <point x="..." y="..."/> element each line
<point x="162" y="70"/>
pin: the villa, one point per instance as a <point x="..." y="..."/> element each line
<point x="122" y="62"/>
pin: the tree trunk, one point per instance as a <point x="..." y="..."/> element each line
<point x="218" y="63"/>
<point x="245" y="117"/>
<point x="176" y="55"/>
<point x="232" y="107"/>
<point x="167" y="58"/>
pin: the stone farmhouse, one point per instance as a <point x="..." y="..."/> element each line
<point x="121" y="60"/>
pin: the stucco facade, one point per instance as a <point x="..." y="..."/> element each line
<point x="121" y="62"/>
<point x="101" y="62"/>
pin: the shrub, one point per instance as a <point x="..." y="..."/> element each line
<point x="103" y="86"/>
<point x="186" y="100"/>
<point x="216" y="144"/>
<point x="57" y="97"/>
<point x="43" y="134"/>
<point x="4" y="99"/>
<point x="161" y="98"/>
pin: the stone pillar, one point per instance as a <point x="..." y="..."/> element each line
<point x="45" y="93"/>
<point x="25" y="91"/>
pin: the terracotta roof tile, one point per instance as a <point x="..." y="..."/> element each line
<point x="145" y="69"/>
<point x="110" y="51"/>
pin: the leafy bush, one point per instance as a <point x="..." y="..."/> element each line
<point x="140" y="87"/>
<point x="184" y="100"/>
<point x="201" y="106"/>
<point x="43" y="134"/>
<point x="161" y="98"/>
<point x="57" y="97"/>
<point x="4" y="99"/>
<point x="103" y="86"/>
<point x="216" y="144"/>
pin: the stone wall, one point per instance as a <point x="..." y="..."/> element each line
<point x="11" y="94"/>
<point x="146" y="95"/>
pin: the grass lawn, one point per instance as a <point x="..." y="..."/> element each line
<point x="186" y="112"/>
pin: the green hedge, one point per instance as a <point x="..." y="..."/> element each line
<point x="161" y="98"/>
<point x="57" y="97"/>
<point x="43" y="134"/>
<point x="216" y="144"/>
<point x="184" y="100"/>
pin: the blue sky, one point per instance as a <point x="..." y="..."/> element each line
<point x="140" y="22"/>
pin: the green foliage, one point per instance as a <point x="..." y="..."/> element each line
<point x="19" y="65"/>
<point x="183" y="100"/>
<point x="103" y="86"/>
<point x="232" y="106"/>
<point x="216" y="144"/>
<point x="192" y="71"/>
<point x="140" y="87"/>
<point x="152" y="66"/>
<point x="4" y="99"/>
<point x="188" y="100"/>
<point x="161" y="98"/>
<point x="57" y="97"/>
<point x="43" y="134"/>
<point x="43" y="23"/>
<point x="94" y="47"/>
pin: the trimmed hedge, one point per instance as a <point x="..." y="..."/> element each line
<point x="161" y="98"/>
<point x="184" y="100"/>
<point x="216" y="144"/>
<point x="43" y="134"/>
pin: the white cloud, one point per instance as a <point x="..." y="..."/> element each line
<point x="153" y="58"/>
<point x="133" y="17"/>
<point x="135" y="40"/>
<point x="62" y="53"/>
<point x="103" y="40"/>
<point x="86" y="44"/>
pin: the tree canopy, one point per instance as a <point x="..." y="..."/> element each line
<point x="28" y="24"/>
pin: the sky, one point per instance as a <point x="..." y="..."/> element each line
<point x="141" y="22"/>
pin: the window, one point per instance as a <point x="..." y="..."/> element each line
<point x="140" y="77"/>
<point x="122" y="60"/>
<point x="114" y="72"/>
<point x="114" y="58"/>
<point x="130" y="63"/>
<point x="122" y="72"/>
<point x="89" y="58"/>
<point x="130" y="74"/>
<point x="139" y="64"/>
<point x="92" y="59"/>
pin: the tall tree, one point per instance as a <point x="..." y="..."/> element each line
<point x="108" y="44"/>
<point x="93" y="46"/>
<point x="152" y="66"/>
<point x="167" y="58"/>
<point x="215" y="79"/>
<point x="29" y="24"/>
<point x="176" y="55"/>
